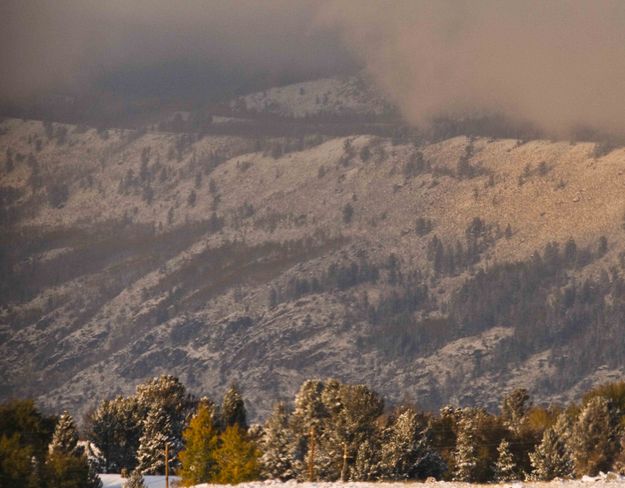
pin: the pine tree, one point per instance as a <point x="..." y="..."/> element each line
<point x="169" y="394"/>
<point x="465" y="454"/>
<point x="93" y="480"/>
<point x="15" y="461"/>
<point x="406" y="452"/>
<point x="592" y="440"/>
<point x="69" y="471"/>
<point x="308" y="416"/>
<point x="233" y="408"/>
<point x="278" y="460"/>
<point x="551" y="458"/>
<point x="353" y="423"/>
<point x="67" y="465"/>
<point x="65" y="437"/>
<point x="119" y="428"/>
<point x="236" y="458"/>
<point x="505" y="468"/>
<point x="200" y="440"/>
<point x="157" y="431"/>
<point x="136" y="480"/>
<point x="367" y="464"/>
<point x="514" y="407"/>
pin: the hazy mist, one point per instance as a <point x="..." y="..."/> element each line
<point x="73" y="44"/>
<point x="558" y="64"/>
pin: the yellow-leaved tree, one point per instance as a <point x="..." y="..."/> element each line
<point x="200" y="440"/>
<point x="236" y="457"/>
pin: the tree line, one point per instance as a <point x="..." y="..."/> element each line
<point x="331" y="431"/>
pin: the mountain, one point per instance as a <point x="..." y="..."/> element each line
<point x="336" y="96"/>
<point x="440" y="271"/>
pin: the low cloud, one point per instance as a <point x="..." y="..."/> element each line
<point x="558" y="64"/>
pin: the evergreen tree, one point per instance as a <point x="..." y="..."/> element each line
<point x="367" y="464"/>
<point x="115" y="428"/>
<point x="349" y="412"/>
<point x="25" y="435"/>
<point x="233" y="408"/>
<point x="406" y="452"/>
<point x="22" y="417"/>
<point x="505" y="468"/>
<point x="65" y="437"/>
<point x="278" y="460"/>
<point x="465" y="455"/>
<point x="306" y="423"/>
<point x="592" y="441"/>
<point x="167" y="395"/>
<point x="67" y="465"/>
<point x="200" y="441"/>
<point x="514" y="407"/>
<point x="157" y="432"/>
<point x="15" y="462"/>
<point x="93" y="479"/>
<point x="69" y="471"/>
<point x="236" y="458"/>
<point x="551" y="458"/>
<point x="136" y="480"/>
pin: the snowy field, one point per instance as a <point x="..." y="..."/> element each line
<point x="115" y="481"/>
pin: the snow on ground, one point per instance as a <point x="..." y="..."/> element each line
<point x="610" y="481"/>
<point x="116" y="481"/>
<point x="584" y="483"/>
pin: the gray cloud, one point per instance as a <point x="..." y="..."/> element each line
<point x="558" y="64"/>
<point x="50" y="44"/>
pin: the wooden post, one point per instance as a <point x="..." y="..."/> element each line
<point x="344" y="468"/>
<point x="311" y="456"/>
<point x="166" y="465"/>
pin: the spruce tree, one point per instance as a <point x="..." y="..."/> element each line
<point x="157" y="431"/>
<point x="233" y="408"/>
<point x="15" y="462"/>
<point x="514" y="407"/>
<point x="307" y="421"/>
<point x="278" y="460"/>
<point x="67" y="465"/>
<point x="505" y="467"/>
<point x="551" y="458"/>
<point x="592" y="440"/>
<point x="65" y="437"/>
<point x="115" y="427"/>
<point x="236" y="458"/>
<point x="465" y="454"/>
<point x="406" y="452"/>
<point x="367" y="464"/>
<point x="166" y="392"/>
<point x="93" y="479"/>
<point x="136" y="480"/>
<point x="200" y="441"/>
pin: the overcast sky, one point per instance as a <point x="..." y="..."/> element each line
<point x="557" y="63"/>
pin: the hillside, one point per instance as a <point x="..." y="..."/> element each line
<point x="266" y="261"/>
<point x="353" y="95"/>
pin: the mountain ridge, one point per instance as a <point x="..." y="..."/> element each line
<point x="236" y="258"/>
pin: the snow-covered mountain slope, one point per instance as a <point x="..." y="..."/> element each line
<point x="334" y="96"/>
<point x="221" y="258"/>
